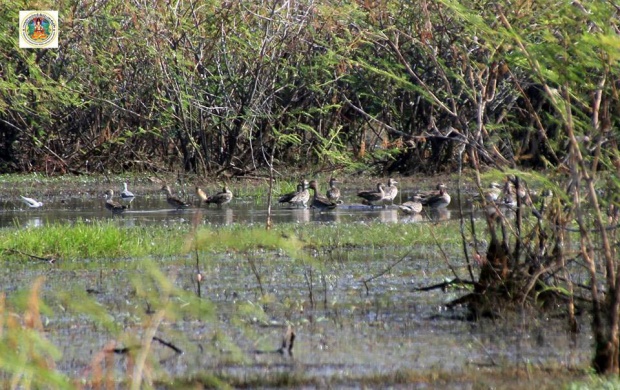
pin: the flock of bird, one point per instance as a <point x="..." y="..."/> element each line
<point x="219" y="198"/>
<point x="383" y="193"/>
<point x="300" y="198"/>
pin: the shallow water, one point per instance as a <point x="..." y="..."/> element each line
<point x="152" y="208"/>
<point x="345" y="330"/>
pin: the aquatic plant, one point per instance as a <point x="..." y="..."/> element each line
<point x="568" y="93"/>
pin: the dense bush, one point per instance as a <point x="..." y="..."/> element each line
<point x="219" y="85"/>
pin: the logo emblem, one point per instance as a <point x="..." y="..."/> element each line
<point x="38" y="29"/>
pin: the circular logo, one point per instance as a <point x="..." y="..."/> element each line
<point x="39" y="29"/>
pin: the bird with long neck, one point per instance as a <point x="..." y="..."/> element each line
<point x="126" y="194"/>
<point x="319" y="201"/>
<point x="110" y="204"/>
<point x="301" y="198"/>
<point x="390" y="191"/>
<point x="333" y="193"/>
<point x="173" y="200"/>
<point x="370" y="197"/>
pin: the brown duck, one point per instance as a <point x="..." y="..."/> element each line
<point x="390" y="191"/>
<point x="372" y="196"/>
<point x="438" y="200"/>
<point x="114" y="207"/>
<point x="333" y="193"/>
<point x="220" y="198"/>
<point x="318" y="201"/>
<point x="173" y="200"/>
<point x="302" y="197"/>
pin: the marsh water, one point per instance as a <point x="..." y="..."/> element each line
<point x="347" y="331"/>
<point x="152" y="208"/>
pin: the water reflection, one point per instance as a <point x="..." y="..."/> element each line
<point x="34" y="222"/>
<point x="412" y="218"/>
<point x="301" y="215"/>
<point x="439" y="214"/>
<point x="388" y="215"/>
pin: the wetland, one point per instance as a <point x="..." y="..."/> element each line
<point x="208" y="297"/>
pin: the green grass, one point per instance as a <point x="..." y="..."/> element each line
<point x="88" y="241"/>
<point x="106" y="239"/>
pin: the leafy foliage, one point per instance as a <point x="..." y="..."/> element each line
<point x="217" y="86"/>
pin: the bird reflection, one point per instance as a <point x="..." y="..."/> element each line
<point x="300" y="215"/>
<point x="34" y="222"/>
<point x="412" y="218"/>
<point x="388" y="215"/>
<point x="228" y="217"/>
<point x="441" y="214"/>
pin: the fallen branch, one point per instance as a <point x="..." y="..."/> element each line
<point x="288" y="341"/>
<point x="126" y="350"/>
<point x="385" y="271"/>
<point x="50" y="260"/>
<point x="169" y="345"/>
<point x="444" y="286"/>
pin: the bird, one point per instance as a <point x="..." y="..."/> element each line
<point x="126" y="194"/>
<point x="390" y="191"/>
<point x="333" y="193"/>
<point x="372" y="196"/>
<point x="319" y="201"/>
<point x="438" y="200"/>
<point x="32" y="203"/>
<point x="511" y="194"/>
<point x="114" y="207"/>
<point x="493" y="193"/>
<point x="173" y="200"/>
<point x="221" y="197"/>
<point x="411" y="207"/>
<point x="286" y="198"/>
<point x="302" y="197"/>
<point x="200" y="194"/>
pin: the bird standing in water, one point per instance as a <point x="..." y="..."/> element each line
<point x="390" y="191"/>
<point x="438" y="200"/>
<point x="221" y="197"/>
<point x="302" y="197"/>
<point x="411" y="207"/>
<point x="173" y="200"/>
<point x="286" y="198"/>
<point x="333" y="193"/>
<point x="318" y="201"/>
<point x="202" y="196"/>
<point x="114" y="207"/>
<point x="126" y="194"/>
<point x="372" y="196"/>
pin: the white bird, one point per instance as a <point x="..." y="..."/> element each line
<point x="32" y="203"/>
<point x="126" y="194"/>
